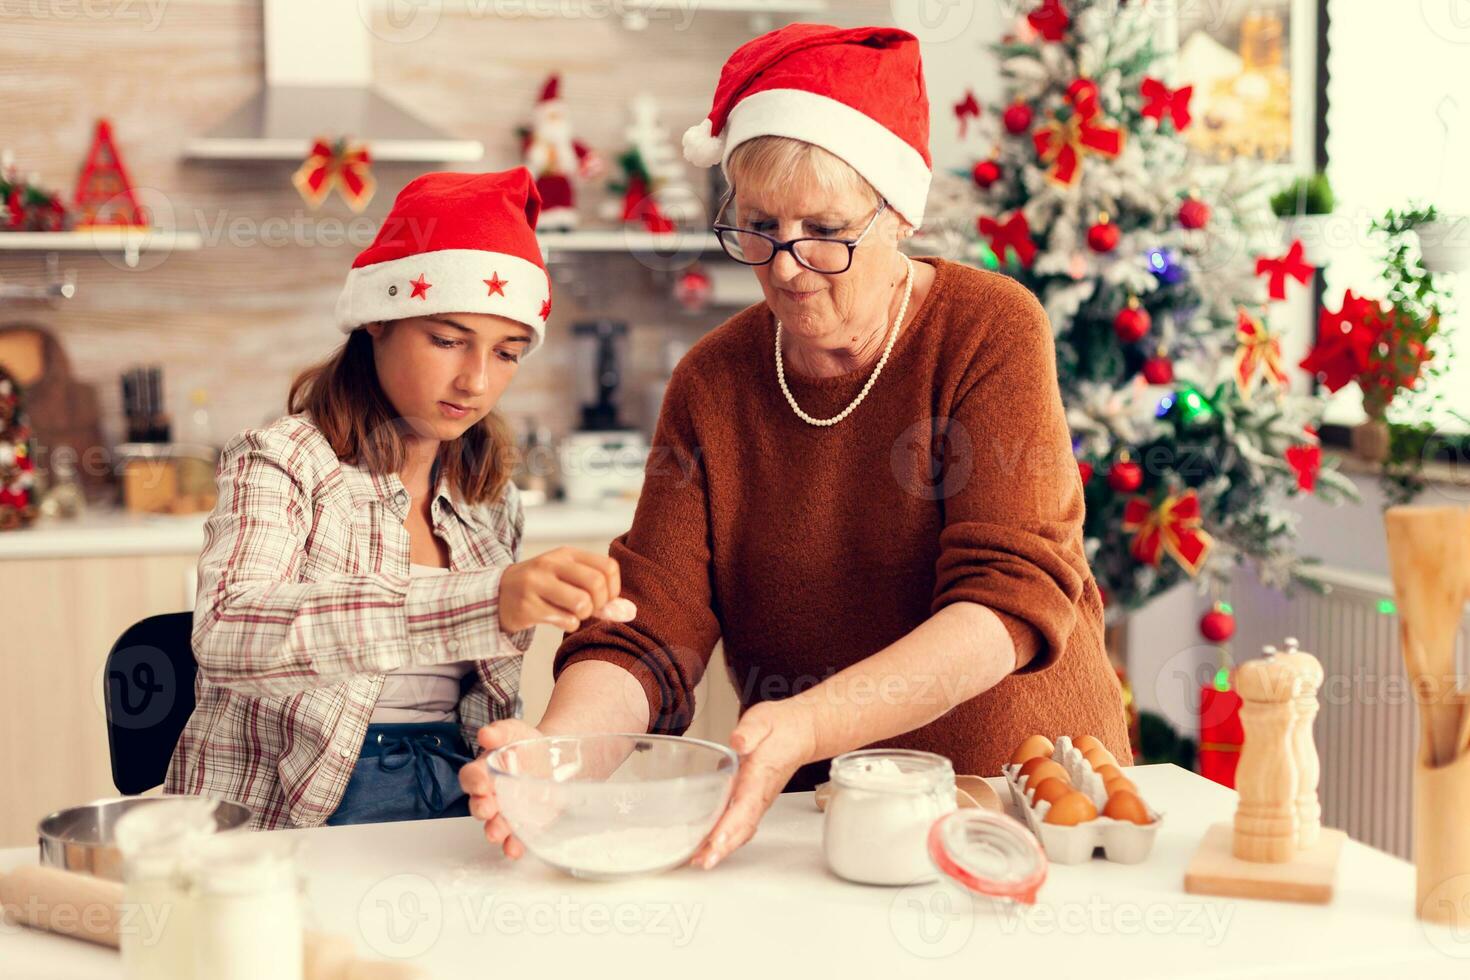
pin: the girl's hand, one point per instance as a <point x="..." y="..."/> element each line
<point x="561" y="588"/>
<point x="476" y="781"/>
<point x="773" y="739"/>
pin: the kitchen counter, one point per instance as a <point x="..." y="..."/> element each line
<point x="436" y="893"/>
<point x="111" y="533"/>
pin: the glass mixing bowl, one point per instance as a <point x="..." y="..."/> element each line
<point x="612" y="806"/>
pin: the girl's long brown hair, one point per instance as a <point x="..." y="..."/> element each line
<point x="343" y="397"/>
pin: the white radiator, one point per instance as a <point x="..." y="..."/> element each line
<point x="1367" y="728"/>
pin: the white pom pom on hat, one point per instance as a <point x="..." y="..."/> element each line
<point x="700" y="147"/>
<point x="857" y="93"/>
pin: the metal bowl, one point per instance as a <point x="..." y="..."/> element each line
<point x="80" y="838"/>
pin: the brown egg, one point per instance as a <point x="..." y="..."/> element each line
<point x="1124" y="805"/>
<point x="1108" y="772"/>
<point x="1051" y="789"/>
<point x="1035" y="745"/>
<point x="1039" y="769"/>
<point x="1087" y="743"/>
<point x="1112" y="786"/>
<point x="1100" y="757"/>
<point x="1072" y="809"/>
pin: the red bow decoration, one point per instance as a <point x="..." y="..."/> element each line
<point x="1013" y="233"/>
<point x="1257" y="356"/>
<point x="1164" y="101"/>
<point x="341" y="165"/>
<point x="965" y="110"/>
<point x="1291" y="264"/>
<point x="1305" y="459"/>
<point x="1050" y="20"/>
<point x="1061" y="144"/>
<point x="1172" y="527"/>
<point x="1345" y="340"/>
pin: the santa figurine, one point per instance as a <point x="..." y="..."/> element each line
<point x="553" y="156"/>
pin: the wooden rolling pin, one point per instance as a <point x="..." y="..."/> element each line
<point x="84" y="907"/>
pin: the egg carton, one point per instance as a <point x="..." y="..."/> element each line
<point x="1122" y="841"/>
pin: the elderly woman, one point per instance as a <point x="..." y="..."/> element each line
<point x="864" y="485"/>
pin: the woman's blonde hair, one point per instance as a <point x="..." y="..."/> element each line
<point x="763" y="159"/>
<point x="345" y="400"/>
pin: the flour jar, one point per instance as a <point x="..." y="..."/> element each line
<point x="156" y="920"/>
<point x="883" y="804"/>
<point x="248" y="909"/>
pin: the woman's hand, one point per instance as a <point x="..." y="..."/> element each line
<point x="561" y="588"/>
<point x="773" y="739"/>
<point x="476" y="781"/>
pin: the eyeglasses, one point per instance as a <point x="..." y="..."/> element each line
<point x="825" y="255"/>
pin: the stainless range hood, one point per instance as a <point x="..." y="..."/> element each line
<point x="316" y="89"/>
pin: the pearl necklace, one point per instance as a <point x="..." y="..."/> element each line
<point x="908" y="290"/>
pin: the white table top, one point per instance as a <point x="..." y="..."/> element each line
<point x="435" y="891"/>
<point x="112" y="533"/>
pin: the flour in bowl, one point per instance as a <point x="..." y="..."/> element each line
<point x="626" y="850"/>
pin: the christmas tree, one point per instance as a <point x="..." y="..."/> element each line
<point x="1156" y="277"/>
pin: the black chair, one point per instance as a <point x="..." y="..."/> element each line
<point x="148" y="689"/>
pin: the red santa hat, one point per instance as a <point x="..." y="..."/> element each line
<point x="454" y="243"/>
<point x="551" y="91"/>
<point x="858" y="93"/>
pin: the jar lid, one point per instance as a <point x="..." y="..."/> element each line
<point x="989" y="854"/>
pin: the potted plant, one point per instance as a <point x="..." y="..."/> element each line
<point x="1444" y="242"/>
<point x="1305" y="206"/>
<point x="1388" y="349"/>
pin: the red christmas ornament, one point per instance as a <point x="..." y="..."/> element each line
<point x="1017" y="118"/>
<point x="1103" y="236"/>
<point x="1291" y="264"/>
<point x="1050" y="20"/>
<point x="1014" y="234"/>
<point x="1161" y="101"/>
<point x="1132" y="322"/>
<point x="1194" y="214"/>
<point x="985" y="174"/>
<point x="1158" y="370"/>
<point x="692" y="289"/>
<point x="1125" y="476"/>
<point x="1085" y="469"/>
<point x="1217" y="625"/>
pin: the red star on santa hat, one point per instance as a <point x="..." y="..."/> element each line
<point x="497" y="285"/>
<point x="545" y="308"/>
<point x="420" y="288"/>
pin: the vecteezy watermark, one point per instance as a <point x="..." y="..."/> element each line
<point x="1096" y="916"/>
<point x="565" y="916"/>
<point x="401" y="917"/>
<point x="938" y="21"/>
<point x="932" y="921"/>
<point x="1449" y="19"/>
<point x="1450" y="899"/>
<point x="148" y="13"/>
<point x="99" y="920"/>
<point x="406" y="21"/>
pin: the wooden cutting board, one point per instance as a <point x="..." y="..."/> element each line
<point x="63" y="411"/>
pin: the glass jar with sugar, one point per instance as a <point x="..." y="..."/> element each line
<point x="884" y="802"/>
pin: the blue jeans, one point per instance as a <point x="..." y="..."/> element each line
<point x="406" y="772"/>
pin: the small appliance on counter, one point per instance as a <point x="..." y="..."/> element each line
<point x="159" y="475"/>
<point x="604" y="458"/>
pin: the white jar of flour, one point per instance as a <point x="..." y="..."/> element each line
<point x="884" y="801"/>
<point x="249" y="909"/>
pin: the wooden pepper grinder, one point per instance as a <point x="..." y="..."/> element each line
<point x="1303" y="745"/>
<point x="1266" y="818"/>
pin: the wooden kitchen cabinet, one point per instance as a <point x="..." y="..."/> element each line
<point x="62" y="615"/>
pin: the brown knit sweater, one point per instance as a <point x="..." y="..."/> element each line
<point x="808" y="549"/>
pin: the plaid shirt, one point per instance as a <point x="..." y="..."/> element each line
<point x="305" y="600"/>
